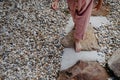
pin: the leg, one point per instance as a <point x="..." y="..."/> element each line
<point x="81" y="16"/>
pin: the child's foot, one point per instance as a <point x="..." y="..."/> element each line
<point x="77" y="46"/>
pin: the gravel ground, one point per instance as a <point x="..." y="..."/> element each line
<point x="109" y="35"/>
<point x="30" y="34"/>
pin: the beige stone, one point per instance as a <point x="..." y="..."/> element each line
<point x="114" y="62"/>
<point x="84" y="71"/>
<point x="103" y="11"/>
<point x="89" y="42"/>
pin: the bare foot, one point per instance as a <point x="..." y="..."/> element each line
<point x="55" y="5"/>
<point x="77" y="46"/>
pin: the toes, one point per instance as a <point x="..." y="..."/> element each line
<point x="78" y="50"/>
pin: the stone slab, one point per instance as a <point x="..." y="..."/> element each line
<point x="97" y="21"/>
<point x="70" y="57"/>
<point x="88" y="43"/>
<point x="69" y="26"/>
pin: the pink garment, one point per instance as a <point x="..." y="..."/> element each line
<point x="81" y="12"/>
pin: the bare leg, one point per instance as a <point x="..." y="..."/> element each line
<point x="77" y="46"/>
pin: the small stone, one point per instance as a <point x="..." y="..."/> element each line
<point x="114" y="62"/>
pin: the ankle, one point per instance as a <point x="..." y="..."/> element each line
<point x="77" y="40"/>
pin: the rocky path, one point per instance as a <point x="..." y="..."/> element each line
<point x="30" y="35"/>
<point x="106" y="30"/>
